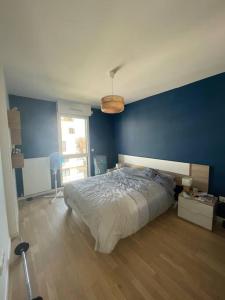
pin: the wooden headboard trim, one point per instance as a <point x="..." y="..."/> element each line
<point x="200" y="176"/>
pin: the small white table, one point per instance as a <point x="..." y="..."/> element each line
<point x="197" y="212"/>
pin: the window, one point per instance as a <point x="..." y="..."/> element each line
<point x="63" y="146"/>
<point x="66" y="172"/>
<point x="71" y="130"/>
<point x="74" y="148"/>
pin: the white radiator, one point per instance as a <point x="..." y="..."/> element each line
<point x="36" y="175"/>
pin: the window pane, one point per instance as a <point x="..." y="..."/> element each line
<point x="73" y="133"/>
<point x="74" y="168"/>
<point x="63" y="146"/>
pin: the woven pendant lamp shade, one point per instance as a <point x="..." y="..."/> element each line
<point x="112" y="104"/>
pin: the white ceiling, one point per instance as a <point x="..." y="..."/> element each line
<point x="55" y="49"/>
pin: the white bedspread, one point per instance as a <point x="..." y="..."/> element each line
<point x="117" y="204"/>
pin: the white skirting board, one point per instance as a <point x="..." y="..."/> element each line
<point x="36" y="175"/>
<point x="163" y="165"/>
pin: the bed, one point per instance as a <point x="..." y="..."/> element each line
<point x="117" y="204"/>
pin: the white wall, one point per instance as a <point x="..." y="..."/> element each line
<point x="8" y="173"/>
<point x="4" y="239"/>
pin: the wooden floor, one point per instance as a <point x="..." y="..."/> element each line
<point x="168" y="259"/>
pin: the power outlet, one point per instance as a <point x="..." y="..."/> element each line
<point x="222" y="199"/>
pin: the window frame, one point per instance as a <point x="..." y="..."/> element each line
<point x="87" y="154"/>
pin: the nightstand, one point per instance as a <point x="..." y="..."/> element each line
<point x="197" y="212"/>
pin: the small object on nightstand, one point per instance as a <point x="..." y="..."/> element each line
<point x="187" y="183"/>
<point x="196" y="211"/>
<point x="195" y="191"/>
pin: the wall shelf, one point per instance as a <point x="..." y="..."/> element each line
<point x="17" y="160"/>
<point x="14" y="122"/>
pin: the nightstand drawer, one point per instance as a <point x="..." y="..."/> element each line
<point x="195" y="217"/>
<point x="196" y="207"/>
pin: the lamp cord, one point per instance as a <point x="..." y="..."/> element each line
<point x="112" y="85"/>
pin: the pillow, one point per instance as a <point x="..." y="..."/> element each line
<point x="166" y="180"/>
<point x="171" y="179"/>
<point x="146" y="173"/>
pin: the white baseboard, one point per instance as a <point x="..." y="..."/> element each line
<point x="39" y="194"/>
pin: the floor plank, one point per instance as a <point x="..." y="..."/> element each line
<point x="168" y="259"/>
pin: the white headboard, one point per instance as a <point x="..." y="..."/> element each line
<point x="199" y="173"/>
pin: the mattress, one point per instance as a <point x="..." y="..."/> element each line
<point x="119" y="203"/>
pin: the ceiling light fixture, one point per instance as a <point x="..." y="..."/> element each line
<point x="112" y="104"/>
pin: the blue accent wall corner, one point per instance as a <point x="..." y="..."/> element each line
<point x="185" y="124"/>
<point x="102" y="137"/>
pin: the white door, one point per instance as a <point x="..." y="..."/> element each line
<point x="74" y="147"/>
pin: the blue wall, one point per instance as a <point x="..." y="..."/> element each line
<point x="185" y="124"/>
<point x="102" y="138"/>
<point x="39" y="129"/>
<point x="40" y="133"/>
<point x="39" y="126"/>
